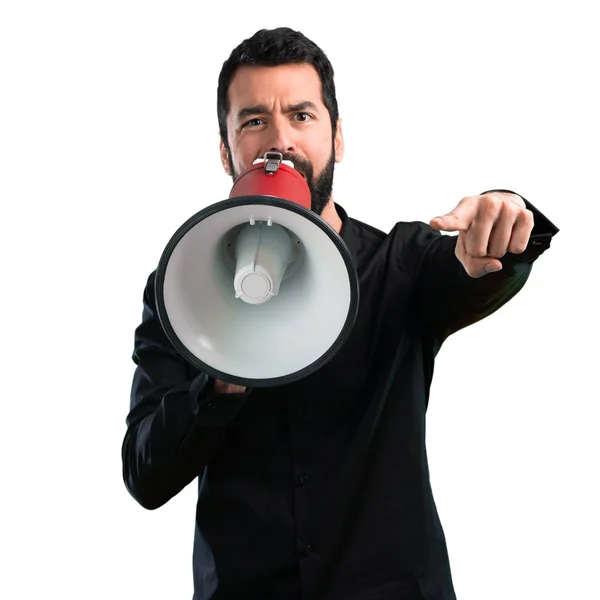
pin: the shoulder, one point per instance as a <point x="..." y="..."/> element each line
<point x="408" y="239"/>
<point x="366" y="232"/>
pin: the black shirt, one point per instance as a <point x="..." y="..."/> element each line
<point x="319" y="489"/>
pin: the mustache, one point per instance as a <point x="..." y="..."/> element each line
<point x="302" y="165"/>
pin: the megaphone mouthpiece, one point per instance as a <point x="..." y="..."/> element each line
<point x="263" y="252"/>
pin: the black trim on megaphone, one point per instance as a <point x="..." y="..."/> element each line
<point x="268" y="201"/>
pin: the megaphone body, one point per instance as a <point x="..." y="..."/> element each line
<point x="258" y="290"/>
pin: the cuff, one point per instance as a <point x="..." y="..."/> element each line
<point x="541" y="235"/>
<point x="211" y="409"/>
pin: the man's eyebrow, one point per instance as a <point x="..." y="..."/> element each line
<point x="302" y="106"/>
<point x="261" y="109"/>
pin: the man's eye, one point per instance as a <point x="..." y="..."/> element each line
<point x="253" y="123"/>
<point x="303" y="117"/>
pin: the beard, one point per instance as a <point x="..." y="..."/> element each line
<point x="320" y="187"/>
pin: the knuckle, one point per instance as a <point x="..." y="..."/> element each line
<point x="527" y="216"/>
<point x="473" y="271"/>
<point x="469" y="265"/>
<point x="494" y="196"/>
<point x="523" y="215"/>
<point x="477" y="250"/>
<point x="467" y="201"/>
<point x="491" y="204"/>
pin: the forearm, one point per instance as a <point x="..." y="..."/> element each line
<point x="165" y="450"/>
<point x="177" y="422"/>
<point x="450" y="299"/>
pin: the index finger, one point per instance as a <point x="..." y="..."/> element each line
<point x="459" y="219"/>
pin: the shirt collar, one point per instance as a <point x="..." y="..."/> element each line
<point x="348" y="232"/>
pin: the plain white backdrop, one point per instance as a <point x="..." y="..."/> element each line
<point x="109" y="142"/>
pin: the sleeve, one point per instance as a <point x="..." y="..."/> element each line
<point x="448" y="299"/>
<point x="176" y="423"/>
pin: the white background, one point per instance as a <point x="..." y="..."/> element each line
<point x="109" y="141"/>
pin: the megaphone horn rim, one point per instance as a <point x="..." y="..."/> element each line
<point x="263" y="201"/>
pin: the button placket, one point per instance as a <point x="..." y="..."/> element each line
<point x="301" y="472"/>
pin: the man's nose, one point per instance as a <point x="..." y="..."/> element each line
<point x="281" y="138"/>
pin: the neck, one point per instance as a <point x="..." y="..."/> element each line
<point x="330" y="215"/>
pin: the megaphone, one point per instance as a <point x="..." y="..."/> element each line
<point x="258" y="290"/>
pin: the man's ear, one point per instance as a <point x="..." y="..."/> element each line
<point x="338" y="142"/>
<point x="224" y="157"/>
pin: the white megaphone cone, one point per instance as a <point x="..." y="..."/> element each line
<point x="258" y="290"/>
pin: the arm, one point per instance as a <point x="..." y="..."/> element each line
<point x="450" y="299"/>
<point x="177" y="420"/>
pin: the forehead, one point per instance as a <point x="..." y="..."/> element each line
<point x="289" y="84"/>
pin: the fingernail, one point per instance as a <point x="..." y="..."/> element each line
<point x="492" y="268"/>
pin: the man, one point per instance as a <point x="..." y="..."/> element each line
<point x="319" y="489"/>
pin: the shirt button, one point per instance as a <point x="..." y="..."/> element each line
<point x="303" y="479"/>
<point x="305" y="549"/>
<point x="298" y="411"/>
<point x="211" y="405"/>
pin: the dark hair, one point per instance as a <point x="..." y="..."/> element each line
<point x="270" y="48"/>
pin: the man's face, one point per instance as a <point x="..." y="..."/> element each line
<point x="280" y="109"/>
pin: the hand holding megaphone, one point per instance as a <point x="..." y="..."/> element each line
<point x="222" y="387"/>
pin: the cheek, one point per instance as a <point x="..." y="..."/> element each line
<point x="320" y="153"/>
<point x="244" y="155"/>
